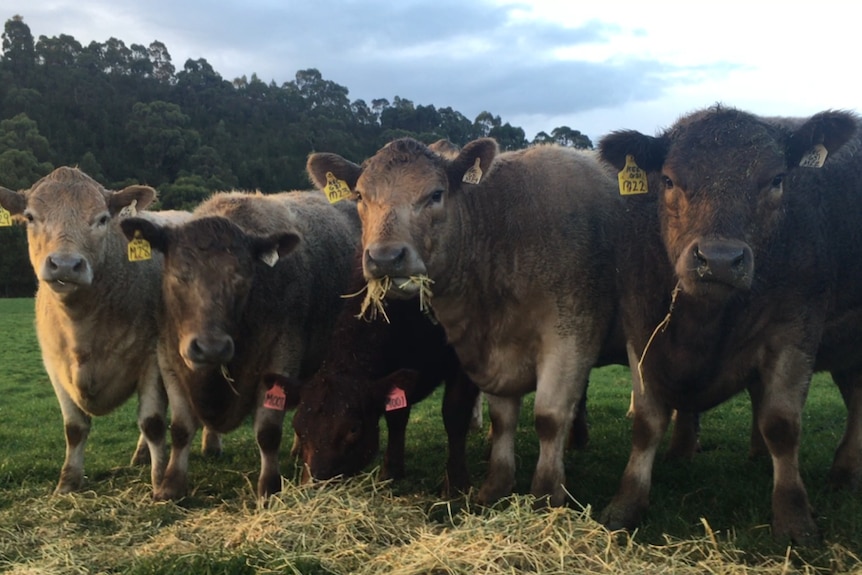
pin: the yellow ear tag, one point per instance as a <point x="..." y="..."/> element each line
<point x="336" y="190"/>
<point x="139" y="249"/>
<point x="632" y="179"/>
<point x="474" y="174"/>
<point x="5" y="218"/>
<point x="814" y="157"/>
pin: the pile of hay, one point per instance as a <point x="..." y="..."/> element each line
<point x="356" y="526"/>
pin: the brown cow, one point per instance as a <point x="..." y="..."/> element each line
<point x="338" y="410"/>
<point x="519" y="247"/>
<point x="95" y="310"/>
<point x="760" y="263"/>
<point x="234" y="314"/>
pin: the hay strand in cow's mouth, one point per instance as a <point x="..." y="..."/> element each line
<point x="377" y="288"/>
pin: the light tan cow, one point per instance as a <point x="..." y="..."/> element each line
<point x="95" y="310"/>
<point x="519" y="247"/>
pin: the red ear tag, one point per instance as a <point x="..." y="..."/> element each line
<point x="275" y="398"/>
<point x="396" y="399"/>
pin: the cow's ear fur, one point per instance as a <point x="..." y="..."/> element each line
<point x="831" y="128"/>
<point x="157" y="235"/>
<point x="406" y="379"/>
<point x="649" y="152"/>
<point x="292" y="388"/>
<point x="319" y="164"/>
<point x="142" y="195"/>
<point x="13" y="202"/>
<point x="272" y="248"/>
<point x="483" y="150"/>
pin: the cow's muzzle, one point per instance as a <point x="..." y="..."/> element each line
<point x="398" y="261"/>
<point x="729" y="263"/>
<point x="208" y="349"/>
<point x="66" y="272"/>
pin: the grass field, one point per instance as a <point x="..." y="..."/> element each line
<point x="707" y="515"/>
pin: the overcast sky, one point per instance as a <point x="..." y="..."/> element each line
<point x="593" y="66"/>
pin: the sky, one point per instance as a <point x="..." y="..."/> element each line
<point x="593" y="66"/>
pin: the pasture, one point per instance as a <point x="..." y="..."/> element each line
<point x="709" y="515"/>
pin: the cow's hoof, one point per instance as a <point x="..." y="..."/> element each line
<point x="617" y="516"/>
<point x="71" y="480"/>
<point x="141" y="457"/>
<point x="803" y="532"/>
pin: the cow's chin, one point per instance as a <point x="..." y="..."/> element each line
<point x="63" y="288"/>
<point x="403" y="288"/>
<point x="711" y="291"/>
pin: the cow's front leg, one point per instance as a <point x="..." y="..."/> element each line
<point x="268" y="423"/>
<point x="846" y="471"/>
<point x="76" y="424"/>
<point x="786" y="383"/>
<point x="504" y="412"/>
<point x="184" y="425"/>
<point x="459" y="401"/>
<point x="649" y="423"/>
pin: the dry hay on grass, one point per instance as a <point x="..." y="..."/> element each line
<point x="356" y="526"/>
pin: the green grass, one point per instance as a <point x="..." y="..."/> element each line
<point x="720" y="486"/>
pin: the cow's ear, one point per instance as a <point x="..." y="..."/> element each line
<point x="829" y="129"/>
<point x="157" y="235"/>
<point x="322" y="168"/>
<point x="142" y="196"/>
<point x="648" y="151"/>
<point x="272" y="248"/>
<point x="473" y="163"/>
<point x="292" y="388"/>
<point x="13" y="202"/>
<point x="404" y="379"/>
<point x="445" y="148"/>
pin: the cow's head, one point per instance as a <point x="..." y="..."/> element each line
<point x="404" y="195"/>
<point x="723" y="176"/>
<point x="338" y="422"/>
<point x="70" y="221"/>
<point x="210" y="265"/>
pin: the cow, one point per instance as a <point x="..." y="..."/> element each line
<point x="519" y="247"/>
<point x="741" y="269"/>
<point x="370" y="365"/>
<point x="251" y="288"/>
<point x="95" y="310"/>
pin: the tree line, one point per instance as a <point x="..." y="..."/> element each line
<point x="125" y="114"/>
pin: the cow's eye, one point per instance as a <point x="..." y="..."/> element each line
<point x="357" y="195"/>
<point x="103" y="220"/>
<point x="436" y="197"/>
<point x="668" y="183"/>
<point x="778" y="180"/>
<point x="29" y="217"/>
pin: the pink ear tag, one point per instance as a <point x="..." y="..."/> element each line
<point x="396" y="399"/>
<point x="275" y="398"/>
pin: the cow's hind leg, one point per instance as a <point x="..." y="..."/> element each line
<point x="562" y="381"/>
<point x="211" y="443"/>
<point x="846" y="471"/>
<point x="152" y="420"/>
<point x="504" y="412"/>
<point x="141" y="456"/>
